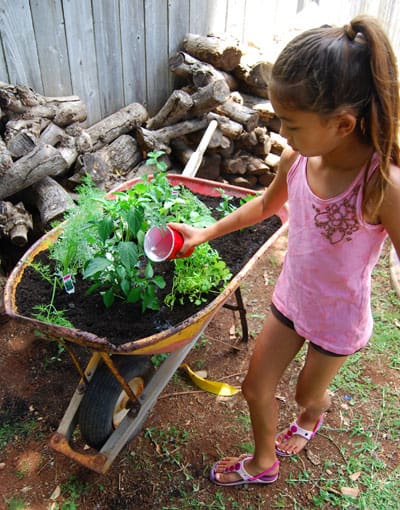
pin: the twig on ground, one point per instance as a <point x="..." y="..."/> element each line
<point x="334" y="444"/>
<point x="178" y="393"/>
<point x="224" y="343"/>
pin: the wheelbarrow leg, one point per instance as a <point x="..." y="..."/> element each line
<point x="69" y="419"/>
<point x="130" y="426"/>
<point x="242" y="313"/>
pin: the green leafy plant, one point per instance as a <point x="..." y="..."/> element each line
<point x="103" y="238"/>
<point x="225" y="206"/>
<point x="119" y="263"/>
<point x="48" y="312"/>
<point x="197" y="275"/>
<point x="74" y="246"/>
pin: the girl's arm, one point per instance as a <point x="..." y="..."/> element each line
<point x="248" y="214"/>
<point x="389" y="212"/>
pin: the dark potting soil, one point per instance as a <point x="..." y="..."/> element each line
<point x="124" y="322"/>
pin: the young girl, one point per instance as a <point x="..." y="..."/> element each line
<point x="336" y="92"/>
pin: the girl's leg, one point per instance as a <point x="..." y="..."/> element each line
<point x="276" y="346"/>
<point x="312" y="394"/>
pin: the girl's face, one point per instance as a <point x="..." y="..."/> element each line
<point x="307" y="132"/>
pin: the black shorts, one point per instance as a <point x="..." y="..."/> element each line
<point x="287" y="322"/>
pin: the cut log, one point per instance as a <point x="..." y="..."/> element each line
<point x="208" y="97"/>
<point x="278" y="143"/>
<point x="67" y="149"/>
<point x="22" y="136"/>
<point x="210" y="165"/>
<point x="272" y="160"/>
<point x="51" y="200"/>
<point x="21" y="102"/>
<point x="266" y="178"/>
<point x="234" y="166"/>
<point x="58" y="137"/>
<point x="229" y="127"/>
<point x="217" y="141"/>
<point x="193" y="70"/>
<point x="262" y="106"/>
<point x="197" y="72"/>
<point x="94" y="165"/>
<point x="68" y="111"/>
<point x="43" y="160"/>
<point x="264" y="109"/>
<point x="110" y="163"/>
<point x="108" y="129"/>
<point x="246" y="116"/>
<point x="183" y="65"/>
<point x="52" y="135"/>
<point x="244" y="163"/>
<point x="5" y="158"/>
<point x="18" y="98"/>
<point x="174" y="110"/>
<point x="255" y="74"/>
<point x="181" y="150"/>
<point x="221" y="52"/>
<point x="15" y="222"/>
<point x="160" y="139"/>
<point x="243" y="181"/>
<point x="257" y="141"/>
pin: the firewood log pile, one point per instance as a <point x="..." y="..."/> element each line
<point x="46" y="149"/>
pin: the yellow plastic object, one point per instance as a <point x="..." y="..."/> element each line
<point x="218" y="388"/>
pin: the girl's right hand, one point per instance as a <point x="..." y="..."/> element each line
<point x="192" y="236"/>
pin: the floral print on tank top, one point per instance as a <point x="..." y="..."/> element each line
<point x="338" y="221"/>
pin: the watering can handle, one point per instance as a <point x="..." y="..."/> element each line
<point x="193" y="164"/>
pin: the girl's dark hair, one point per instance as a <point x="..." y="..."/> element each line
<point x="328" y="69"/>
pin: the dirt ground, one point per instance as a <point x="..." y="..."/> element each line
<point x="167" y="465"/>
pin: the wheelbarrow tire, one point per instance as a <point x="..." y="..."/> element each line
<point x="104" y="403"/>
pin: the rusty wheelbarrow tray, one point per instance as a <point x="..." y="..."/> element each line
<point x="137" y="391"/>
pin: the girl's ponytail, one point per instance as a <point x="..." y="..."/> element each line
<point x="382" y="115"/>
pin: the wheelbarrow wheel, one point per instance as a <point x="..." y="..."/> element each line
<point x="105" y="402"/>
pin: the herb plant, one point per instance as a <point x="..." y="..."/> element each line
<point x="73" y="247"/>
<point x="225" y="206"/>
<point x="49" y="313"/>
<point x="197" y="275"/>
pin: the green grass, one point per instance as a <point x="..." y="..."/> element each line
<point x="10" y="430"/>
<point x="15" y="503"/>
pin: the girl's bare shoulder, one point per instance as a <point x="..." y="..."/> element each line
<point x="389" y="212"/>
<point x="288" y="157"/>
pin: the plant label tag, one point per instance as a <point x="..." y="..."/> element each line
<point x="68" y="284"/>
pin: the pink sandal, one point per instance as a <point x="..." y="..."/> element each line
<point x="296" y="430"/>
<point x="263" y="478"/>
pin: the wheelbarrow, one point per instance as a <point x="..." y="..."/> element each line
<point x="119" y="386"/>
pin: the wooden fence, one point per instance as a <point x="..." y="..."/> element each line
<point x="115" y="52"/>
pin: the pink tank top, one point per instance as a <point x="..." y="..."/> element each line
<point x="325" y="284"/>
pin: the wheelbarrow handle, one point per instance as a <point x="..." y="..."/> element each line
<point x="195" y="159"/>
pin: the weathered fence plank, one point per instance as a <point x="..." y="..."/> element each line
<point x="115" y="52"/>
<point x="81" y="48"/>
<point x="108" y="55"/>
<point x="52" y="47"/>
<point x="156" y="53"/>
<point x="133" y="51"/>
<point x="178" y="22"/>
<point x="18" y="40"/>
